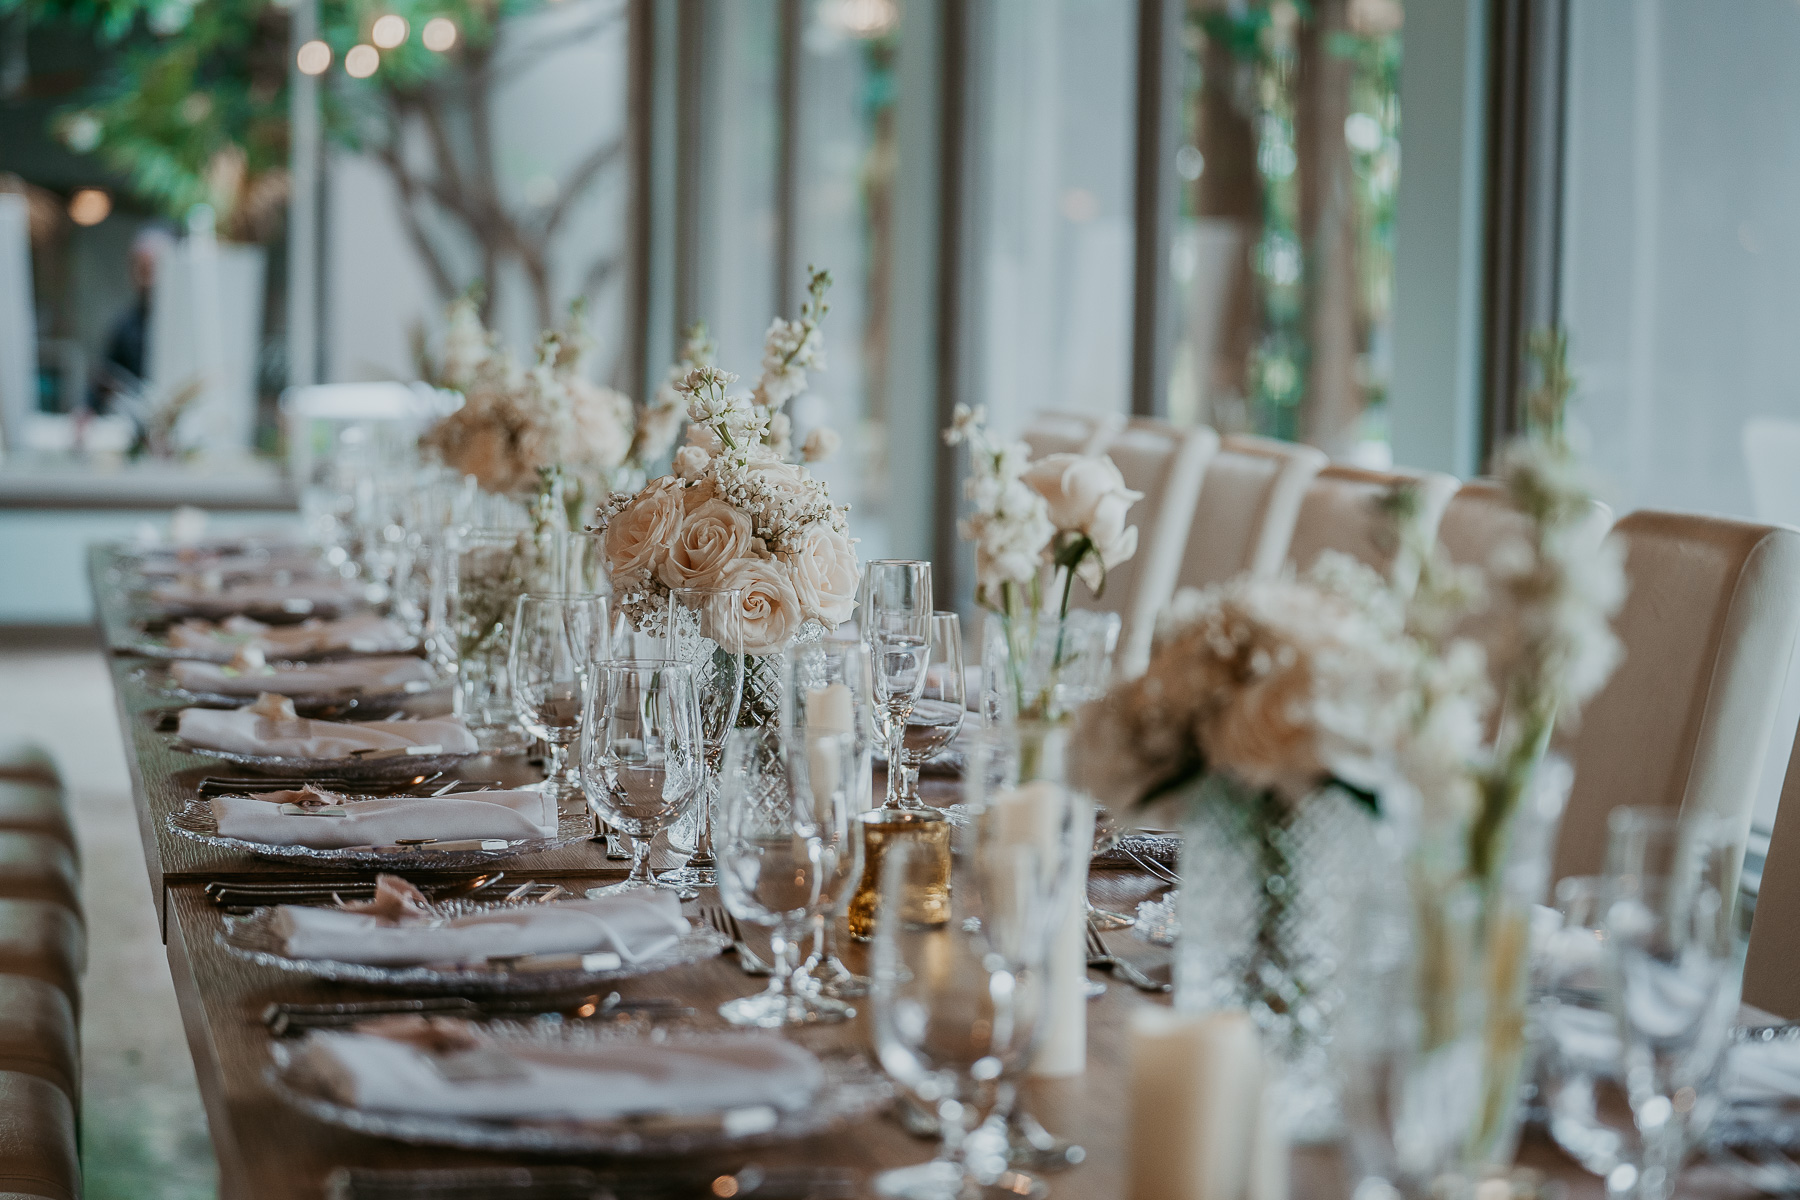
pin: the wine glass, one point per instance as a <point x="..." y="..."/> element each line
<point x="584" y="562"/>
<point x="898" y="593"/>
<point x="827" y="696"/>
<point x="937" y="715"/>
<point x="1674" y="964"/>
<point x="959" y="1006"/>
<point x="556" y="638"/>
<point x="785" y="845"/>
<point x="705" y="630"/>
<point x="641" y="753"/>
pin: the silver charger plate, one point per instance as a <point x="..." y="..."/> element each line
<point x="196" y="821"/>
<point x="366" y="768"/>
<point x="149" y="645"/>
<point x="253" y="939"/>
<point x="323" y="706"/>
<point x="852" y="1089"/>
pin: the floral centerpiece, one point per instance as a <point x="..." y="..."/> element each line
<point x="524" y="429"/>
<point x="740" y="510"/>
<point x="1038" y="527"/>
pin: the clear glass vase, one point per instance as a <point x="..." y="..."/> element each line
<point x="481" y="573"/>
<point x="1437" y="1043"/>
<point x="1268" y="887"/>
<point x="1041" y="667"/>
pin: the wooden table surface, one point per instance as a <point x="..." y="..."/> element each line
<point x="268" y="1151"/>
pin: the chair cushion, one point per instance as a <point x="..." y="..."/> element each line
<point x="26" y="760"/>
<point x="38" y="1034"/>
<point x="35" y="806"/>
<point x="43" y="940"/>
<point x="38" y="1155"/>
<point x="36" y="867"/>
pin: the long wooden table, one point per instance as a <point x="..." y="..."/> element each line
<point x="268" y="1151"/>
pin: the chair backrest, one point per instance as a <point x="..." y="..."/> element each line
<point x="1708" y="627"/>
<point x="1772" y="969"/>
<point x="1248" y="503"/>
<point x="1340" y="512"/>
<point x="1052" y="432"/>
<point x="1168" y="464"/>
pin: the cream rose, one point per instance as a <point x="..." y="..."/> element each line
<point x="1076" y="486"/>
<point x="826" y="576"/>
<point x="820" y="444"/>
<point x="639" y="535"/>
<point x="770" y="611"/>
<point x="690" y="462"/>
<point x="602" y="420"/>
<point x="712" y="537"/>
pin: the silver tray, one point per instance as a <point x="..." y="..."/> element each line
<point x="852" y="1089"/>
<point x="196" y="821"/>
<point x="367" y="768"/>
<point x="253" y="939"/>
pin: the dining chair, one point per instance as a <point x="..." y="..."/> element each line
<point x="1169" y="465"/>
<point x="1684" y="723"/>
<point x="1054" y="432"/>
<point x="1244" y="518"/>
<point x="1341" y="511"/>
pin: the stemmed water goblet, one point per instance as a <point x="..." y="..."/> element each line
<point x="898" y="595"/>
<point x="1674" y="963"/>
<point x="641" y="753"/>
<point x="705" y="630"/>
<point x="937" y="715"/>
<point x="786" y="847"/>
<point x="556" y="639"/>
<point x="959" y="1006"/>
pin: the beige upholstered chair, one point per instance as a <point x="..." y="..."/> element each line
<point x="1248" y="505"/>
<point x="1340" y="512"/>
<point x="1772" y="971"/>
<point x="1053" y="432"/>
<point x="1168" y="465"/>
<point x="1685" y="721"/>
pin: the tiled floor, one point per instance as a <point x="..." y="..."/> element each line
<point x="143" y="1131"/>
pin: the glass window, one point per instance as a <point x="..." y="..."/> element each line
<point x="1282" y="255"/>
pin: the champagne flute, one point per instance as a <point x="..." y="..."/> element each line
<point x="786" y="842"/>
<point x="937" y="715"/>
<point x="641" y="753"/>
<point x="899" y="614"/>
<point x="705" y="630"/>
<point x="556" y="637"/>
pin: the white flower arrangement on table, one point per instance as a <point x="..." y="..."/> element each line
<point x="735" y="512"/>
<point x="524" y="428"/>
<point x="1037" y="527"/>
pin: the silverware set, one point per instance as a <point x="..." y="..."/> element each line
<point x="715" y="915"/>
<point x="248" y="894"/>
<point x="434" y="784"/>
<point x="285" y="1020"/>
<point x="1100" y="958"/>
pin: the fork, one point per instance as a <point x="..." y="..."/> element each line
<point x="1099" y="957"/>
<point x="721" y="920"/>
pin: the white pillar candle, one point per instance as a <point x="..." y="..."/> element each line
<point x="1200" y="1127"/>
<point x="830" y="711"/>
<point x="1032" y="815"/>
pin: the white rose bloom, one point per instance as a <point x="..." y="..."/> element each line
<point x="826" y="575"/>
<point x="1075" y="486"/>
<point x="690" y="462"/>
<point x="713" y="537"/>
<point x="770" y="610"/>
<point x="820" y="444"/>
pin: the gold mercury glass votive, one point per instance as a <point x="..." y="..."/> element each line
<point x="928" y="871"/>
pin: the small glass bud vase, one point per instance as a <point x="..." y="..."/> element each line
<point x="482" y="573"/>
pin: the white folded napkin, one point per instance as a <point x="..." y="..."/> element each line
<point x="247" y="731"/>
<point x="632" y="925"/>
<point x="326" y="821"/>
<point x="209" y="594"/>
<point x="359" y="633"/>
<point x="1764" y="1072"/>
<point x="391" y="673"/>
<point x="603" y="1081"/>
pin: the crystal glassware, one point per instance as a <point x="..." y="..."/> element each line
<point x="705" y="630"/>
<point x="641" y="753"/>
<point x="827" y="696"/>
<point x="1578" y="1040"/>
<point x="584" y="562"/>
<point x="1674" y="963"/>
<point x="937" y="715"/>
<point x="897" y="593"/>
<point x="959" y="1004"/>
<point x="481" y="572"/>
<point x="556" y="638"/>
<point x="785" y="844"/>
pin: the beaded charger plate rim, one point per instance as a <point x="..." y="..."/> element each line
<point x="344" y="769"/>
<point x="253" y="938"/>
<point x="368" y="703"/>
<point x="195" y="820"/>
<point x="852" y="1089"/>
